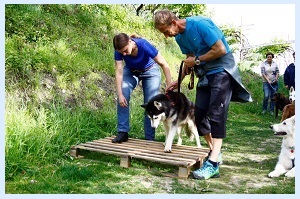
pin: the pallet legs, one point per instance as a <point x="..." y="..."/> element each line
<point x="184" y="172"/>
<point x="74" y="152"/>
<point x="125" y="161"/>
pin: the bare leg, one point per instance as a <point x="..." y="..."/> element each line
<point x="216" y="149"/>
<point x="209" y="141"/>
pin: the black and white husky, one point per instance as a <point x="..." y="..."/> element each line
<point x="175" y="111"/>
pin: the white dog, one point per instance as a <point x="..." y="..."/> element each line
<point x="286" y="160"/>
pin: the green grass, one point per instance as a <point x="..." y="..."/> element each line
<point x="60" y="92"/>
<point x="38" y="141"/>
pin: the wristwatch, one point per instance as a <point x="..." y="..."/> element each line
<point x="197" y="61"/>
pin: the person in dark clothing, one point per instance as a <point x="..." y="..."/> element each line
<point x="208" y="54"/>
<point x="289" y="75"/>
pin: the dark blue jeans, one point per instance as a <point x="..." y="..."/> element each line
<point x="269" y="91"/>
<point x="151" y="80"/>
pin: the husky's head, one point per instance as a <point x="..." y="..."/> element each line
<point x="155" y="110"/>
<point x="292" y="95"/>
<point x="287" y="127"/>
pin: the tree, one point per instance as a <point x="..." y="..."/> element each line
<point x="278" y="47"/>
<point x="181" y="10"/>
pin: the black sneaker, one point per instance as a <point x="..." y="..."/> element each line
<point x="121" y="137"/>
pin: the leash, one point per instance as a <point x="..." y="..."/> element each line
<point x="179" y="82"/>
<point x="190" y="85"/>
<point x="179" y="77"/>
<point x="191" y="72"/>
<point x="272" y="88"/>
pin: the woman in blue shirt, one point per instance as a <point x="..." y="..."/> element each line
<point x="136" y="60"/>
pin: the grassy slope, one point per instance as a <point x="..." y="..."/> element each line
<point x="60" y="92"/>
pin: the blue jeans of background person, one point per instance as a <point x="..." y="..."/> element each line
<point x="269" y="91"/>
<point x="151" y="80"/>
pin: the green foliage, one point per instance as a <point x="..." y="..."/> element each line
<point x="186" y="10"/>
<point x="279" y="47"/>
<point x="181" y="10"/>
<point x="38" y="136"/>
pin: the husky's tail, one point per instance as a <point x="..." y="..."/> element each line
<point x="189" y="132"/>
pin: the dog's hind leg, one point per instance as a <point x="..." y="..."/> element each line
<point x="179" y="142"/>
<point x="193" y="129"/>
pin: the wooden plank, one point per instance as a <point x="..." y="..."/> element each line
<point x="101" y="150"/>
<point x="185" y="157"/>
<point x="124" y="148"/>
<point x="140" y="152"/>
<point x="151" y="143"/>
<point x="185" y="151"/>
<point x="175" y="163"/>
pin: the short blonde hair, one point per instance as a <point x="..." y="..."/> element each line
<point x="164" y="18"/>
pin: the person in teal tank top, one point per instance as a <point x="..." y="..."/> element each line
<point x="219" y="82"/>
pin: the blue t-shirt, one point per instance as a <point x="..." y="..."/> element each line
<point x="199" y="35"/>
<point x="144" y="59"/>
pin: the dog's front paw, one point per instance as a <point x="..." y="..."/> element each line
<point x="167" y="149"/>
<point x="273" y="174"/>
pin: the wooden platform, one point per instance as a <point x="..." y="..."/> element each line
<point x="185" y="157"/>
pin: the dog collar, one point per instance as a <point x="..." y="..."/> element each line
<point x="292" y="148"/>
<point x="172" y="102"/>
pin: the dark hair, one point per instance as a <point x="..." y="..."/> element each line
<point x="120" y="41"/>
<point x="269" y="53"/>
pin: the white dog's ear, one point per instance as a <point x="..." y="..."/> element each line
<point x="158" y="105"/>
<point x="292" y="89"/>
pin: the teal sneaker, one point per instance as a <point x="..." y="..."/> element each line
<point x="207" y="171"/>
<point x="220" y="158"/>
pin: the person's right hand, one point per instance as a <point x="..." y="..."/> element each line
<point x="172" y="86"/>
<point x="123" y="101"/>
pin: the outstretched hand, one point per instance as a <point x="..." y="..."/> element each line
<point x="172" y="86"/>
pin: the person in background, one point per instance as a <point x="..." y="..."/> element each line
<point x="136" y="60"/>
<point x="208" y="54"/>
<point x="270" y="74"/>
<point x="289" y="75"/>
